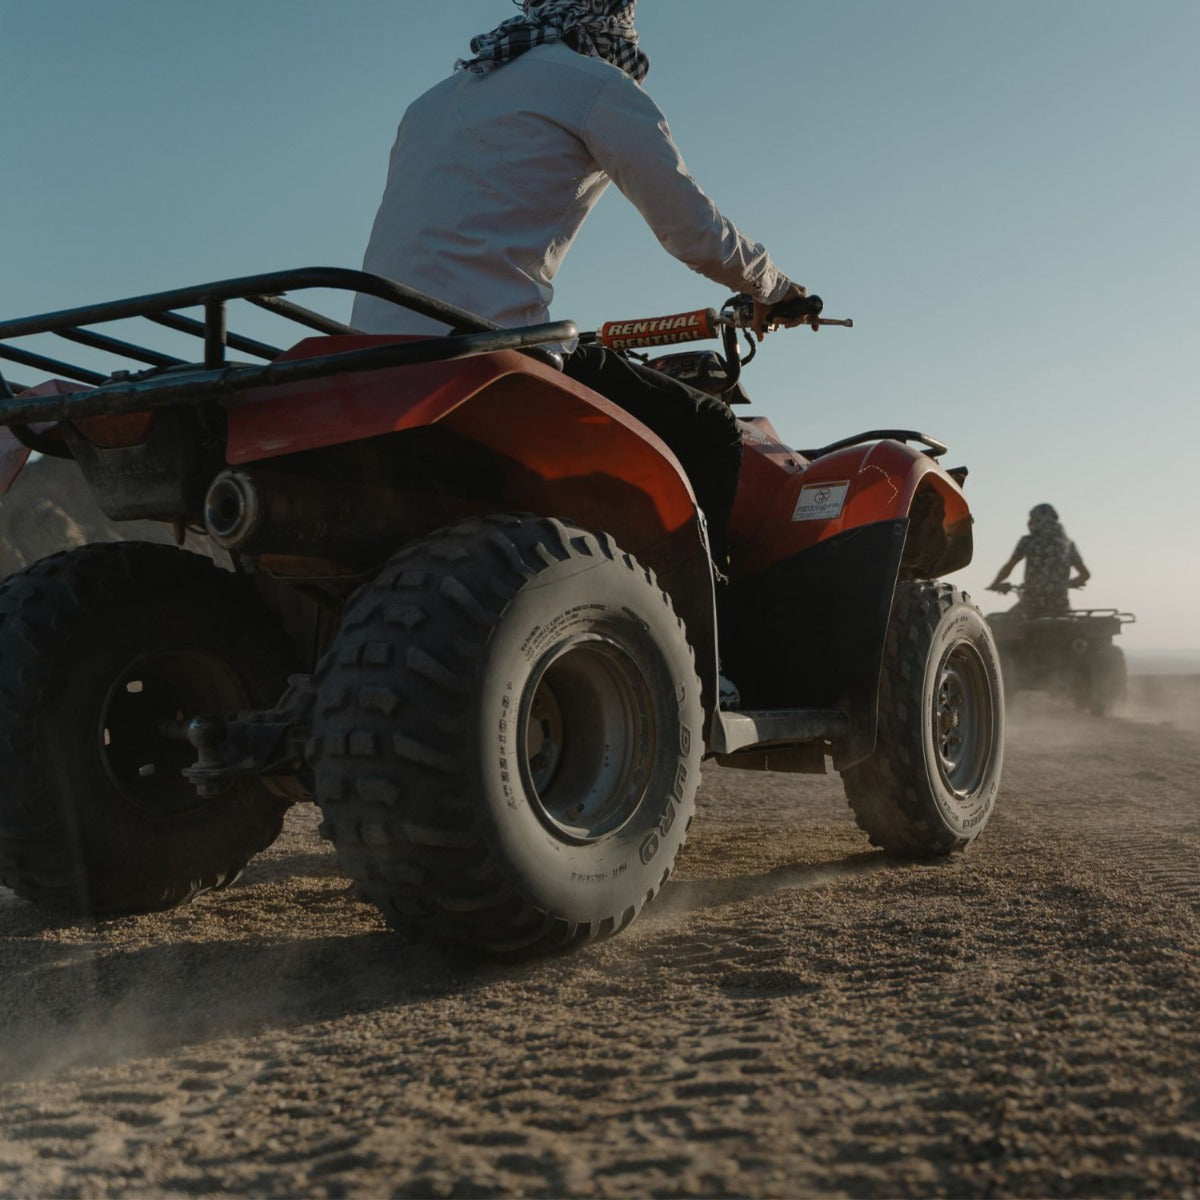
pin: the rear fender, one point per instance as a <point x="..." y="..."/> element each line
<point x="560" y="450"/>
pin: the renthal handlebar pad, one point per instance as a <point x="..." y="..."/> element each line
<point x="659" y="331"/>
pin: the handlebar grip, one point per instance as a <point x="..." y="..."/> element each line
<point x="803" y="308"/>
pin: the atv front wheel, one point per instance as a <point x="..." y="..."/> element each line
<point x="106" y="652"/>
<point x="930" y="785"/>
<point x="507" y="736"/>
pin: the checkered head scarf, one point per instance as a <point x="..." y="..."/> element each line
<point x="600" y="28"/>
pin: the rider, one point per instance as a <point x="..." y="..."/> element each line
<point x="494" y="171"/>
<point x="1049" y="556"/>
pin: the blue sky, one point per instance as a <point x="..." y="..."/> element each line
<point x="1003" y="196"/>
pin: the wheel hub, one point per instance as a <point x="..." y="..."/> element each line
<point x="141" y="733"/>
<point x="962" y="718"/>
<point x="588" y="738"/>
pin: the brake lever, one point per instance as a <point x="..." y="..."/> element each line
<point x="804" y="308"/>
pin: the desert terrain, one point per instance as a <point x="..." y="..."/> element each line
<point x="795" y="1015"/>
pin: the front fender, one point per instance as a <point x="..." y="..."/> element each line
<point x="786" y="505"/>
<point x="809" y="631"/>
<point x="818" y="549"/>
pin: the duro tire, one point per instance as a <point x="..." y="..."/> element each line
<point x="507" y="736"/>
<point x="100" y="649"/>
<point x="930" y="785"/>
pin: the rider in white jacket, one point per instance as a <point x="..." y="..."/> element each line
<point x="494" y="171"/>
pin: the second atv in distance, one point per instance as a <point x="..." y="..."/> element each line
<point x="1071" y="654"/>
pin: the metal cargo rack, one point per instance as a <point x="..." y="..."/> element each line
<point x="1098" y="622"/>
<point x="157" y="380"/>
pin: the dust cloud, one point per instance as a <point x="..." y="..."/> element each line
<point x="1172" y="698"/>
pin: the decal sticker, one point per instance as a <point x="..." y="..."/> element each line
<point x="821" y="501"/>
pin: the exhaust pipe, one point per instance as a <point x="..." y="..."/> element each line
<point x="231" y="509"/>
<point x="356" y="524"/>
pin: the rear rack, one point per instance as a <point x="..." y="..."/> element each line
<point x="1071" y="616"/>
<point x="158" y="380"/>
<point x="1074" y="614"/>
<point x="1126" y="618"/>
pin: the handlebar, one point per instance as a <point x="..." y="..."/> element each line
<point x="737" y="313"/>
<point x="1004" y="587"/>
<point x="658" y="331"/>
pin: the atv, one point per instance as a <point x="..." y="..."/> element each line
<point x="1068" y="654"/>
<point x="468" y="607"/>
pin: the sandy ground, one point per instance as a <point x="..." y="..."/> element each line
<point x="794" y="1016"/>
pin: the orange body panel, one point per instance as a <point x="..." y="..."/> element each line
<point x="566" y="443"/>
<point x="786" y="504"/>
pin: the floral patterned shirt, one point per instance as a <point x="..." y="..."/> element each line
<point x="1049" y="556"/>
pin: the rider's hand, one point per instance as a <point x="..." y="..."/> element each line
<point x="762" y="323"/>
<point x="1003" y="588"/>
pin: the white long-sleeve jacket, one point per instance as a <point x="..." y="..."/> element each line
<point x="492" y="176"/>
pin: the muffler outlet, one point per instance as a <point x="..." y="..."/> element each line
<point x="260" y="512"/>
<point x="231" y="509"/>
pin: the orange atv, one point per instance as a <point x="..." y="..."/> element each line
<point x="466" y="605"/>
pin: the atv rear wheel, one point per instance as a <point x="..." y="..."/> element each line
<point x="507" y="736"/>
<point x="105" y="653"/>
<point x="930" y="785"/>
<point x="1102" y="680"/>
